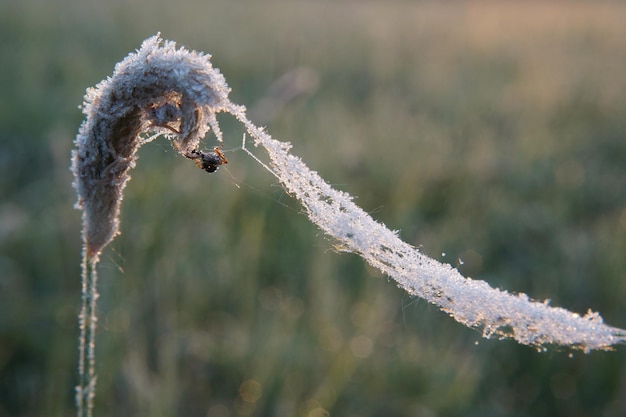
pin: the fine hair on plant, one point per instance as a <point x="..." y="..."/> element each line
<point x="164" y="90"/>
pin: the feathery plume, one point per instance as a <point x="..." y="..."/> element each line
<point x="159" y="89"/>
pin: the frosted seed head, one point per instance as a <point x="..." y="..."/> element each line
<point x="160" y="89"/>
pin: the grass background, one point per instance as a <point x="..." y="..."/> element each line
<point x="489" y="131"/>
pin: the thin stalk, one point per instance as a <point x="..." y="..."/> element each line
<point x="86" y="389"/>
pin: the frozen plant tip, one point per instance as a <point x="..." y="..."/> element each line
<point x="166" y="90"/>
<point x="159" y="89"/>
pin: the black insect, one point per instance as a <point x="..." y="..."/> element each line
<point x="208" y="161"/>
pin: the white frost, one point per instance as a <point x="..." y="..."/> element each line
<point x="470" y="302"/>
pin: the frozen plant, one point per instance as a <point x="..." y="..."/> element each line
<point x="160" y="89"/>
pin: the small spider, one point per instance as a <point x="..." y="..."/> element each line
<point x="208" y="161"/>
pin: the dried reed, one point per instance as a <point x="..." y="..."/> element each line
<point x="164" y="90"/>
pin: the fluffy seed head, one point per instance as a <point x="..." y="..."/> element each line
<point x="158" y="89"/>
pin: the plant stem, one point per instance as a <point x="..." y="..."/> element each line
<point x="85" y="391"/>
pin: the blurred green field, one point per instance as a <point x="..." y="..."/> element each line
<point x="489" y="131"/>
